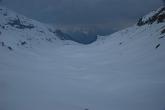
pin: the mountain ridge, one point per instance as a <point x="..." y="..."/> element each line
<point x="12" y="22"/>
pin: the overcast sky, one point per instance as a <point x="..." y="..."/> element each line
<point x="94" y="14"/>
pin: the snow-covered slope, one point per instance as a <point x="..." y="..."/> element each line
<point x="17" y="31"/>
<point x="155" y="16"/>
<point x="151" y="32"/>
<point x="122" y="71"/>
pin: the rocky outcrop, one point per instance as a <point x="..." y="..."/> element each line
<point x="157" y="16"/>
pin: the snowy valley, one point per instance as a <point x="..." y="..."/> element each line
<point x="122" y="71"/>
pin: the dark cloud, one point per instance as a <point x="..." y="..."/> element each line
<point x="100" y="14"/>
<point x="163" y="1"/>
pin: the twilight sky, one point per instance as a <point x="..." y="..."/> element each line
<point x="97" y="15"/>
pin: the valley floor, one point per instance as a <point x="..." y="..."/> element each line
<point x="79" y="77"/>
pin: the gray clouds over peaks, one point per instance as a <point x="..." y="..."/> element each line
<point x="106" y="14"/>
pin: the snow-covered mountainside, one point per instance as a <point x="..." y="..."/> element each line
<point x="150" y="27"/>
<point x="155" y="16"/>
<point x="28" y="32"/>
<point x="122" y="71"/>
<point x="17" y="31"/>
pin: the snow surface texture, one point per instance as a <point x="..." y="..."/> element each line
<point x="123" y="71"/>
